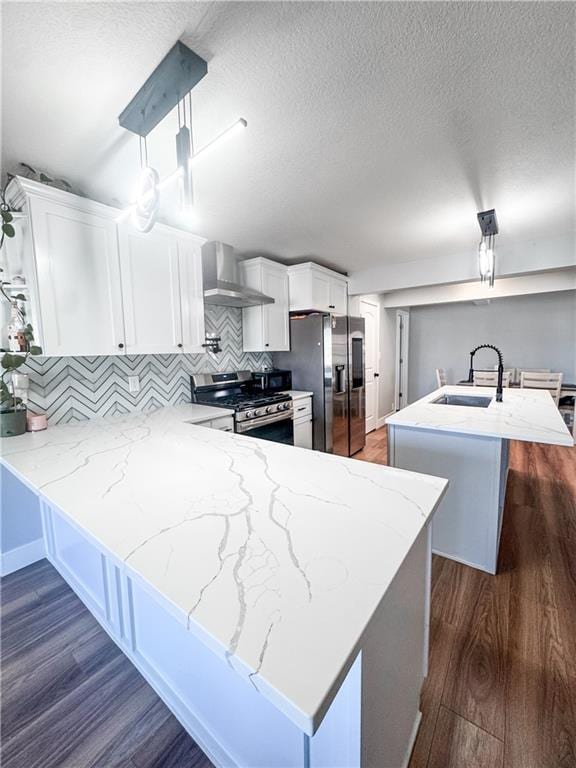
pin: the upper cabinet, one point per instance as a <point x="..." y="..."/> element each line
<point x="313" y="287"/>
<point x="74" y="279"/>
<point x="266" y="327"/>
<point x="99" y="288"/>
<point x="161" y="291"/>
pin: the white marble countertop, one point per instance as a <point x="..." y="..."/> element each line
<point x="524" y="414"/>
<point x="297" y="394"/>
<point x="196" y="414"/>
<point x="275" y="556"/>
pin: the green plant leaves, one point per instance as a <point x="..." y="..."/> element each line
<point x="35" y="350"/>
<point x="8" y="230"/>
<point x="6" y="215"/>
<point x="11" y="362"/>
<point x="20" y="297"/>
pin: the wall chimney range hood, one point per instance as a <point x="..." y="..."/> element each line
<point x="221" y="283"/>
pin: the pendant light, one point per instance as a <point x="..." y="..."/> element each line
<point x="486" y="254"/>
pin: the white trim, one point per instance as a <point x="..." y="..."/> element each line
<point x="402" y="316"/>
<point x="470" y="564"/>
<point x="20" y="557"/>
<point x="412" y="741"/>
<point x="382" y="420"/>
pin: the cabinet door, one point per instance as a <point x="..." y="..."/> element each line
<point x="191" y="295"/>
<point x="150" y="291"/>
<point x="275" y="318"/>
<point x="303" y="434"/>
<point x="320" y="291"/>
<point x="338" y="296"/>
<point x="78" y="280"/>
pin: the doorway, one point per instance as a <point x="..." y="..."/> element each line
<point x="401" y="376"/>
<point x="370" y="311"/>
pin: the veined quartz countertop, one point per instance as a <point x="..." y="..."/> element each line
<point x="524" y="414"/>
<point x="298" y="394"/>
<point x="196" y="413"/>
<point x="275" y="556"/>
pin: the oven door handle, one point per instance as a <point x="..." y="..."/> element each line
<point x="249" y="424"/>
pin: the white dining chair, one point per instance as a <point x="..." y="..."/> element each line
<point x="441" y="377"/>
<point x="542" y="380"/>
<point x="490" y="378"/>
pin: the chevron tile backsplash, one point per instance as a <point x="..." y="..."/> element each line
<point x="76" y="388"/>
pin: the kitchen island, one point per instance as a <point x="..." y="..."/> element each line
<point x="469" y="444"/>
<point x="275" y="598"/>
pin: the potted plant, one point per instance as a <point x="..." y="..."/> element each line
<point x="21" y="342"/>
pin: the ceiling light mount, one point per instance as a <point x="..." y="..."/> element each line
<point x="169" y="86"/>
<point x="486" y="254"/>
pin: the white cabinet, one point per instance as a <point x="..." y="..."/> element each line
<point x="74" y="279"/>
<point x="315" y="287"/>
<point x="266" y="327"/>
<point x="99" y="288"/>
<point x="303" y="422"/>
<point x="161" y="291"/>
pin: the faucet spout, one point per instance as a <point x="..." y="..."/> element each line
<point x="499" y="386"/>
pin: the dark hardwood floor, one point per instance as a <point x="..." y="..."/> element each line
<point x="70" y="698"/>
<point x="501" y="691"/>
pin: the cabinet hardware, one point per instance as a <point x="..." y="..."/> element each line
<point x="376" y="375"/>
<point x="120" y="346"/>
<point x="303" y="408"/>
<point x="266" y="345"/>
<point x="180" y="346"/>
<point x="331" y="306"/>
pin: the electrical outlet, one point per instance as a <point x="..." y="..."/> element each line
<point x="133" y="384"/>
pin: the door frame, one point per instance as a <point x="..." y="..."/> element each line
<point x="401" y="359"/>
<point x="376" y="305"/>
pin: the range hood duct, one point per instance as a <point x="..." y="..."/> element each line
<point x="221" y="283"/>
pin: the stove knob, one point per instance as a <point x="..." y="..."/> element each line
<point x="270" y="409"/>
<point x="257" y="412"/>
<point x="249" y="414"/>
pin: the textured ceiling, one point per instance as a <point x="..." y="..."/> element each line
<point x="375" y="130"/>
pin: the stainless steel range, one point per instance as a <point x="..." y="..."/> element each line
<point x="264" y="414"/>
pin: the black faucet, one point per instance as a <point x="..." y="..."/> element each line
<point x="500" y="368"/>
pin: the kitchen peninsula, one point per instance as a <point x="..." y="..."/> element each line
<point x="276" y="598"/>
<point x="463" y="433"/>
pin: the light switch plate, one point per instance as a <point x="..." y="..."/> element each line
<point x="133" y="384"/>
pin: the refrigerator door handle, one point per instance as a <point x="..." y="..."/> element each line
<point x="340" y="383"/>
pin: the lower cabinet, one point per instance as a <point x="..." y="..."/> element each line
<point x="303" y="422"/>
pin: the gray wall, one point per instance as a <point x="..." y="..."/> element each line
<point x="536" y="331"/>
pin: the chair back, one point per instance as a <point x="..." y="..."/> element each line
<point x="441" y="377"/>
<point x="542" y="380"/>
<point x="490" y="378"/>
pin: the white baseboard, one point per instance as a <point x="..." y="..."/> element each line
<point x="382" y="420"/>
<point x="20" y="557"/>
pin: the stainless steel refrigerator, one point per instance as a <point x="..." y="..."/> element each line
<point x="327" y="358"/>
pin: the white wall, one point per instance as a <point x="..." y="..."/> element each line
<point x="536" y="331"/>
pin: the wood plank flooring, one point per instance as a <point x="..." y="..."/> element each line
<point x="70" y="698"/>
<point x="501" y="690"/>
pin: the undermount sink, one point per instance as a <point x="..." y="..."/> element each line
<point x="472" y="401"/>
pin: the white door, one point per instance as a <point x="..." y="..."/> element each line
<point x="370" y="311"/>
<point x="401" y="367"/>
<point x="191" y="295"/>
<point x="275" y="319"/>
<point x="78" y="280"/>
<point x="150" y="291"/>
